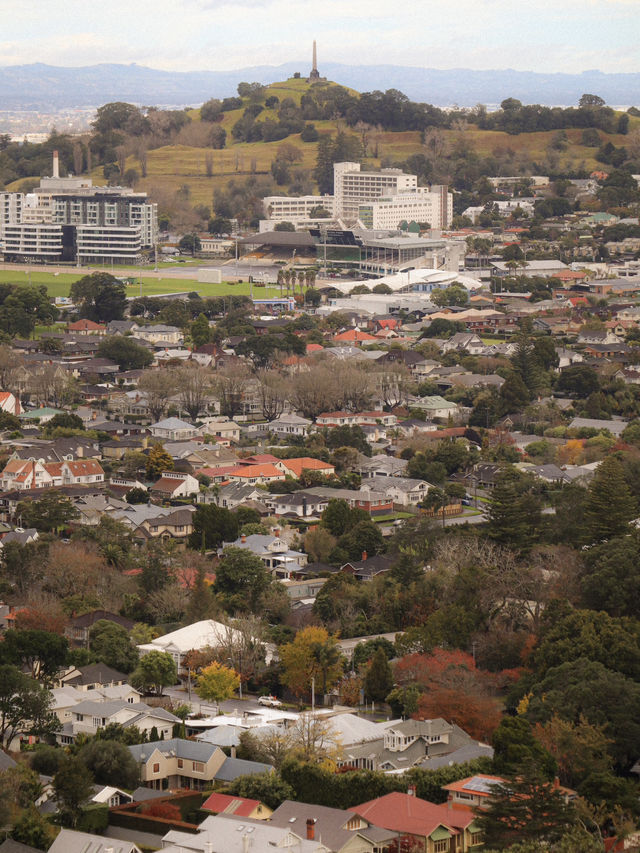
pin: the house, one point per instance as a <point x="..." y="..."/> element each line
<point x="472" y="792"/>
<point x="77" y="631"/>
<point x="615" y="426"/>
<point x="222" y="428"/>
<point x="340" y="830"/>
<point x="287" y="425"/>
<point x="64" y="699"/>
<point x="237" y="806"/>
<point x="301" y="504"/>
<point x="92" y="676"/>
<point x="403" y="491"/>
<point x="373" y="502"/>
<point x="436" y="407"/>
<point x="232" y="495"/>
<point x="354" y="337"/>
<point x="89" y="716"/>
<point x="159" y="334"/>
<point x="111" y="796"/>
<point x="86" y="327"/>
<point x="70" y="841"/>
<point x="254" y="474"/>
<point x="368" y="567"/>
<point x="179" y="763"/>
<point x="274" y="552"/>
<point x="296" y="467"/>
<point x="437" y="828"/>
<point x="173" y="429"/>
<point x="175" y="485"/>
<point x="231" y="834"/>
<point x="175" y="524"/>
<point x="464" y="341"/>
<point x="381" y="466"/>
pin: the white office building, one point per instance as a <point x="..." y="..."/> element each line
<point x="432" y="207"/>
<point x="352" y="187"/>
<point x="283" y="208"/>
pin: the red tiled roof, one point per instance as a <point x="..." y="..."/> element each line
<point x="404" y="813"/>
<point x="306" y="463"/>
<point x="266" y="470"/>
<point x="225" y="804"/>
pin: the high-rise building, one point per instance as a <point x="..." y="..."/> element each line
<point x="353" y="187"/>
<point x="68" y="219"/>
<point x="427" y="207"/>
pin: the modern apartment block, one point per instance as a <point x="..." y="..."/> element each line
<point x="295" y="208"/>
<point x="353" y="187"/>
<point x="68" y="219"/>
<point x="423" y="206"/>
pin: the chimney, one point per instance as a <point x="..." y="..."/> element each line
<point x="276" y="532"/>
<point x="56" y="165"/>
<point x="364" y="556"/>
<point x="243" y="538"/>
<point x="311" y="828"/>
<point x="411" y="791"/>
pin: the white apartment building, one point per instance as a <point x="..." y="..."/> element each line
<point x="353" y="187"/>
<point x="432" y="206"/>
<point x="283" y="208"/>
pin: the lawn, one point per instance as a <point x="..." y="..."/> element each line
<point x="59" y="284"/>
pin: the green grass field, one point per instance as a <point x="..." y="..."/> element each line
<point x="59" y="285"/>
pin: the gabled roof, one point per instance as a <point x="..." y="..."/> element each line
<point x="240" y="806"/>
<point x="179" y="747"/>
<point x="406" y="814"/>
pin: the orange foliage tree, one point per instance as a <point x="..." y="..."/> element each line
<point x="51" y="619"/>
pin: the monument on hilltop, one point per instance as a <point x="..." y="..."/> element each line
<point x="315" y="74"/>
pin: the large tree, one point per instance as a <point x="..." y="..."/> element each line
<point x="312" y="654"/>
<point x="111" y="644"/>
<point x="40" y="652"/>
<point x="48" y="513"/>
<point x="25" y="705"/>
<point x="158" y="386"/>
<point x="110" y="762"/>
<point x="99" y="297"/>
<point x="378" y="680"/>
<point x="241" y="580"/>
<point x="514" y="510"/>
<point x="217" y="682"/>
<point x="73" y="785"/>
<point x="127" y="353"/>
<point x="155" y="671"/>
<point x="610" y="504"/>
<point x="212" y="526"/>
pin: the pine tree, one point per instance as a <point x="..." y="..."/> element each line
<point x="514" y="511"/>
<point x="610" y="505"/>
<point x="378" y="681"/>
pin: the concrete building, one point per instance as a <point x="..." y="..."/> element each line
<point x="281" y="208"/>
<point x="429" y="206"/>
<point x="353" y="187"/>
<point x="70" y="219"/>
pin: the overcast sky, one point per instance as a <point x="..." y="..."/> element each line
<point x="187" y="35"/>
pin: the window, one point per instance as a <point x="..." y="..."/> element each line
<point x="198" y="767"/>
<point x="156" y="768"/>
<point x="180" y="763"/>
<point x="441" y="846"/>
<point x="476" y="838"/>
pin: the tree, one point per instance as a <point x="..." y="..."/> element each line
<point x="588" y="100"/>
<point x="338" y="517"/>
<point x="268" y="787"/>
<point x="25" y="705"/>
<point x="194" y="384"/>
<point x="190" y="244"/>
<point x="241" y="580"/>
<point x="312" y="654"/>
<point x="514" y="745"/>
<point x="611" y="576"/>
<point x="158" y="460"/>
<point x="73" y="786"/>
<point x="527" y="807"/>
<point x="579" y="748"/>
<point x="514" y="511"/>
<point x="111" y="763"/>
<point x="137" y="496"/>
<point x="127" y="354"/>
<point x="362" y="540"/>
<point x="155" y="670"/>
<point x="200" y="331"/>
<point x="610" y="505"/>
<point x="157" y="386"/>
<point x="49" y="513"/>
<point x="217" y="683"/>
<point x="579" y="380"/>
<point x="42" y="652"/>
<point x="33" y="829"/>
<point x="111" y="644"/>
<point x="99" y="297"/>
<point x="378" y="680"/>
<point x="212" y="525"/>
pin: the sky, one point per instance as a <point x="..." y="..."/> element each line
<point x="193" y="35"/>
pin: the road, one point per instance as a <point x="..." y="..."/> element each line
<point x="179" y="695"/>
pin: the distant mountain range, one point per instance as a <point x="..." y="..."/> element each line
<point x="48" y="87"/>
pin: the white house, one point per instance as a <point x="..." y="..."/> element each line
<point x="173" y="484"/>
<point x="287" y="425"/>
<point x="88" y="716"/>
<point x="404" y="491"/>
<point x="173" y="429"/>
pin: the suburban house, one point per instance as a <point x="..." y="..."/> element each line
<point x="230" y="834"/>
<point x="25" y="474"/>
<point x="222" y="428"/>
<point x="92" y="676"/>
<point x="175" y="485"/>
<point x="159" y="334"/>
<point x="404" y="491"/>
<point x="296" y="467"/>
<point x="274" y="552"/>
<point x="237" y="806"/>
<point x="86" y="327"/>
<point x="287" y="425"/>
<point x="179" y="763"/>
<point x="342" y="831"/>
<point x="301" y="504"/>
<point x="254" y="474"/>
<point x="232" y="495"/>
<point x="173" y="429"/>
<point x="77" y="631"/>
<point x="89" y="716"/>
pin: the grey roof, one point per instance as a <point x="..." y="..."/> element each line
<point x="11" y="846"/>
<point x="108" y="709"/>
<point x="189" y="749"/>
<point x="469" y="752"/>
<point x="329" y="823"/>
<point x="6" y="761"/>
<point x="221" y="736"/>
<point x="229" y="834"/>
<point x="96" y="673"/>
<point x="69" y="841"/>
<point x="142" y="794"/>
<point x="615" y="427"/>
<point x="234" y="767"/>
<point x="172" y="423"/>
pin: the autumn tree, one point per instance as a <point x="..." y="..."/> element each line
<point x="158" y="461"/>
<point x="312" y="654"/>
<point x="217" y="682"/>
<point x="241" y="580"/>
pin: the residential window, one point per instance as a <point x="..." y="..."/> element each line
<point x="156" y="768"/>
<point x="198" y="767"/>
<point x="180" y="763"/>
<point x="441" y="846"/>
<point x="476" y="838"/>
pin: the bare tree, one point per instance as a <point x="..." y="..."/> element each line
<point x="314" y="391"/>
<point x="10" y="361"/>
<point x="391" y="383"/>
<point x="195" y="386"/>
<point x="354" y="388"/>
<point x="273" y="394"/>
<point x="157" y="386"/>
<point x="142" y="158"/>
<point x="231" y="384"/>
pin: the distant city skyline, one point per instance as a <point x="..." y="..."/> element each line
<point x="571" y="36"/>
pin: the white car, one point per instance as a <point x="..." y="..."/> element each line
<point x="269" y="701"/>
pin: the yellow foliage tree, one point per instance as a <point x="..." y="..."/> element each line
<point x="313" y="654"/>
<point x="217" y="682"/>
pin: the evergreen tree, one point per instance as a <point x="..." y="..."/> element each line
<point x="610" y="505"/>
<point x="72" y="785"/>
<point x="514" y="511"/>
<point x="525" y="362"/>
<point x="526" y="808"/>
<point x="201" y="599"/>
<point x="200" y="331"/>
<point x="378" y="681"/>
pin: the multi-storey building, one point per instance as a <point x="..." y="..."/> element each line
<point x="432" y="207"/>
<point x="295" y="208"/>
<point x="353" y="187"/>
<point x="68" y="219"/>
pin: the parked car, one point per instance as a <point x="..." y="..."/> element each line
<point x="269" y="701"/>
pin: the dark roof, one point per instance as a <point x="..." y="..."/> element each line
<point x="234" y="767"/>
<point x="280" y="238"/>
<point x="11" y="846"/>
<point x="89" y="619"/>
<point x="6" y="761"/>
<point x="96" y="673"/>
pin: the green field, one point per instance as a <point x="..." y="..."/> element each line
<point x="60" y="284"/>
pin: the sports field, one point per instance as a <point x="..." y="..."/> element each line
<point x="59" y="284"/>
